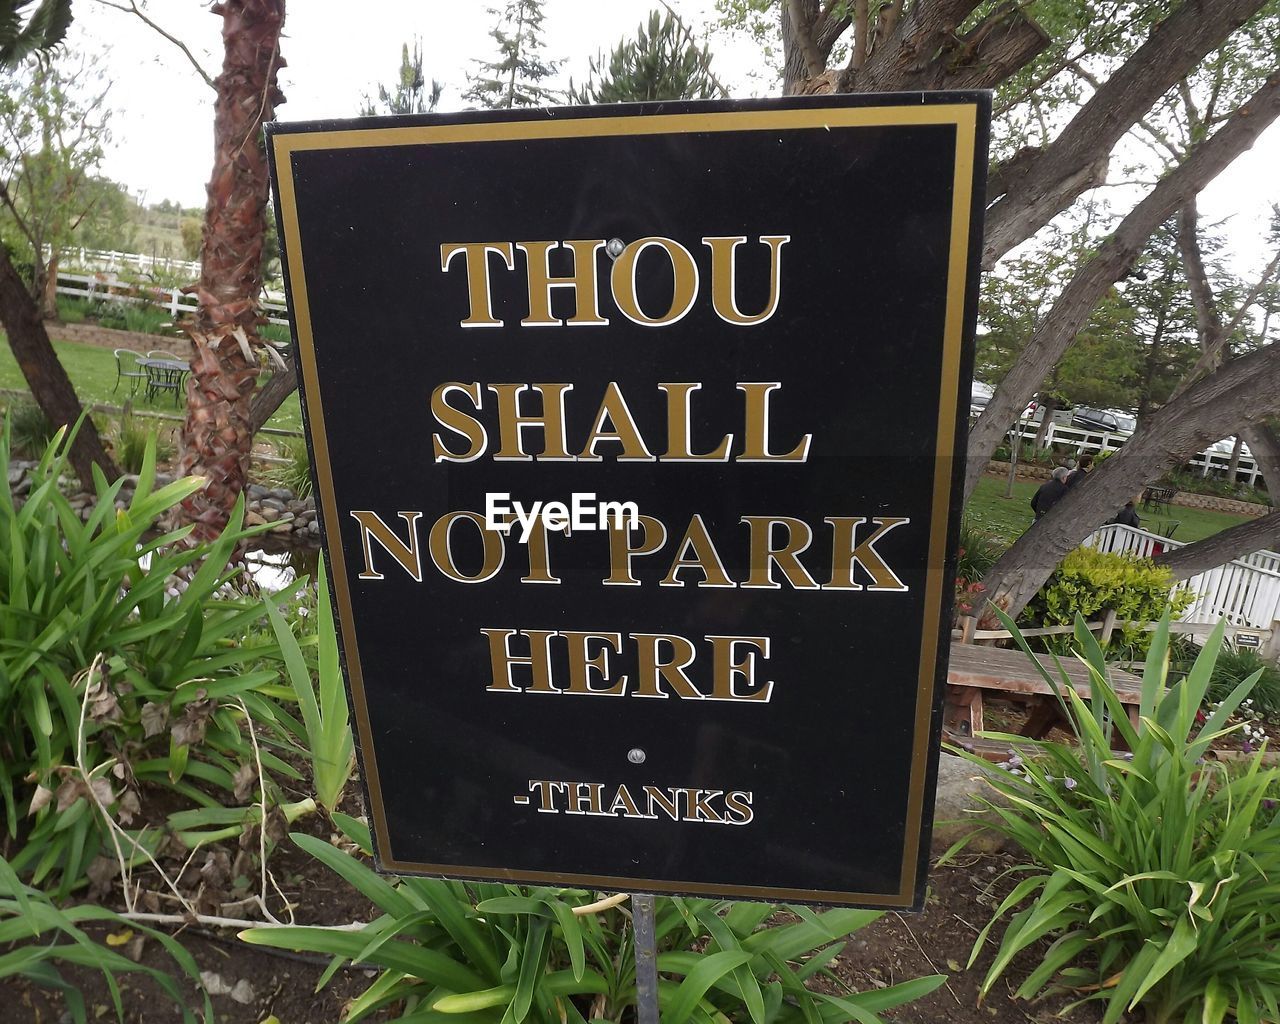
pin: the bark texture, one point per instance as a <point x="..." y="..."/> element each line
<point x="50" y="386"/>
<point x="268" y="398"/>
<point x="217" y="435"/>
<point x="1244" y="391"/>
<point x="1255" y="535"/>
<point x="1113" y="260"/>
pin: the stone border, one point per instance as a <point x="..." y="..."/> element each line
<point x="106" y="337"/>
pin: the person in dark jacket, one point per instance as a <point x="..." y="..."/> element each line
<point x="1050" y="492"/>
<point x="1128" y="516"/>
<point x="1081" y="471"/>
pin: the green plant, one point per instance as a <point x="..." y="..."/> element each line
<point x="484" y="953"/>
<point x="1234" y="665"/>
<point x="144" y="319"/>
<point x="277" y="334"/>
<point x="37" y="936"/>
<point x="1089" y="582"/>
<point x="327" y="731"/>
<point x="1157" y="874"/>
<point x="107" y="654"/>
<point x="132" y="440"/>
<point x="72" y="310"/>
<point x="979" y="550"/>
<point x="30" y="429"/>
<point x="295" y="474"/>
<point x="110" y="313"/>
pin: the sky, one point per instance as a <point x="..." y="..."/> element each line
<point x="338" y="51"/>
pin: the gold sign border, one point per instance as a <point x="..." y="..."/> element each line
<point x="963" y="116"/>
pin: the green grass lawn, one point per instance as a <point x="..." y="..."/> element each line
<point x="1009" y="517"/>
<point x="93" y="372"/>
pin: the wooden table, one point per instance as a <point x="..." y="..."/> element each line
<point x="1009" y="674"/>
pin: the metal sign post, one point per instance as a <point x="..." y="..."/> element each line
<point x="642" y="920"/>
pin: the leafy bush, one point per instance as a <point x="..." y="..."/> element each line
<point x="72" y="310"/>
<point x="494" y="953"/>
<point x="110" y="314"/>
<point x="29" y="428"/>
<point x="1089" y="582"/>
<point x="979" y="550"/>
<point x="105" y="656"/>
<point x="132" y="440"/>
<point x="1234" y="665"/>
<point x="1156" y="874"/>
<point x="56" y="936"/>
<point x="277" y="334"/>
<point x="294" y="475"/>
<point x="326" y="732"/>
<point x="146" y="319"/>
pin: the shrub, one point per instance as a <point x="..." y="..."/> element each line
<point x="55" y="935"/>
<point x="72" y="310"/>
<point x="1089" y="582"/>
<point x="111" y="674"/>
<point x="1234" y="665"/>
<point x="133" y="439"/>
<point x="1157" y="874"/>
<point x="277" y="334"/>
<point x="492" y="953"/>
<point x="979" y="550"/>
<point x="29" y="428"/>
<point x="146" y="319"/>
<point x="294" y="475"/>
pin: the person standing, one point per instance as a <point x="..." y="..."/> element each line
<point x="1081" y="471"/>
<point x="1050" y="492"/>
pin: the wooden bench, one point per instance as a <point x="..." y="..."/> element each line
<point x="1009" y="674"/>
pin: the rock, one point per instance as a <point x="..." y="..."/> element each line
<point x="280" y="493"/>
<point x="314" y="527"/>
<point x="251" y="518"/>
<point x="257" y="491"/>
<point x="269" y="514"/>
<point x="956" y="807"/>
<point x="296" y="507"/>
<point x="284" y="526"/>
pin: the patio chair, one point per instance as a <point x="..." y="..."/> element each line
<point x="159" y="353"/>
<point x="1157" y="498"/>
<point x="161" y="378"/>
<point x="1164" y="527"/>
<point x="127" y="366"/>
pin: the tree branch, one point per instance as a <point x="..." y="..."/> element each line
<point x="1242" y="539"/>
<point x="1244" y="391"/>
<point x="803" y="30"/>
<point x="133" y="8"/>
<point x="1063" y="170"/>
<point x="1112" y="261"/>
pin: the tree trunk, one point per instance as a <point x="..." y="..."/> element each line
<point x="1264" y="446"/>
<point x="1244" y="391"/>
<point x="1050" y="406"/>
<point x="50" y="386"/>
<point x="217" y="436"/>
<point x="1112" y="261"/>
<point x="49" y="298"/>
<point x="1255" y="535"/>
<point x="271" y="395"/>
<point x="1153" y="357"/>
<point x="1034" y="189"/>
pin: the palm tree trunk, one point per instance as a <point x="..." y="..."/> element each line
<point x="217" y="436"/>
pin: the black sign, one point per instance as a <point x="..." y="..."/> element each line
<point x="731" y="343"/>
<point x="1248" y="639"/>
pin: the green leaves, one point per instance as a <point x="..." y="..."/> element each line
<point x="503" y="955"/>
<point x="1154" y="869"/>
<point x="328" y="737"/>
<point x="101" y="588"/>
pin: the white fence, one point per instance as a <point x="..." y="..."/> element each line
<point x="1245" y="592"/>
<point x="107" y="286"/>
<point x="1083" y="439"/>
<point x="109" y="259"/>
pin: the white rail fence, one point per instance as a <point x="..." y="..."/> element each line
<point x="109" y="259"/>
<point x="1245" y="592"/>
<point x="108" y="287"/>
<point x="1083" y="439"/>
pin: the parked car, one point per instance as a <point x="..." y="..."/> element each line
<point x="1095" y="419"/>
